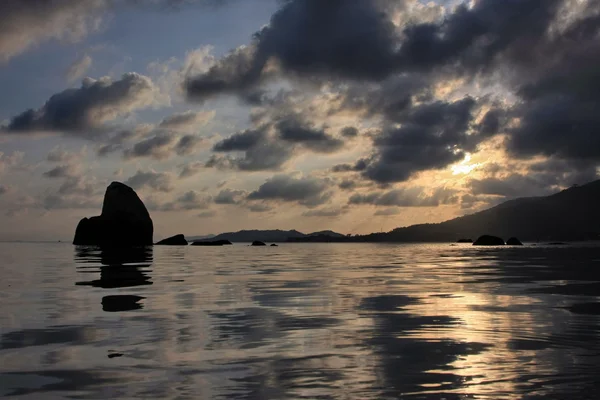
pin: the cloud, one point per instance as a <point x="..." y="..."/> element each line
<point x="349" y="132"/>
<point x="4" y="189"/>
<point x="242" y="141"/>
<point x="26" y="24"/>
<point x="294" y="131"/>
<point x="407" y="197"/>
<point x="59" y="155"/>
<point x="62" y="171"/>
<point x="259" y="207"/>
<point x="78" y="186"/>
<point x="271" y="145"/>
<point x="193" y="200"/>
<point x="187" y="120"/>
<point x="386" y="212"/>
<point x="10" y="162"/>
<point x="432" y="136"/>
<point x="79" y="68"/>
<point x="308" y="37"/>
<point x="229" y="196"/>
<point x="325" y="212"/>
<point x="157" y="146"/>
<point x="261" y="151"/>
<point x="306" y="191"/>
<point x="207" y="214"/>
<point x="116" y="141"/>
<point x="89" y="107"/>
<point x="189" y="144"/>
<point x="191" y="169"/>
<point x="161" y="181"/>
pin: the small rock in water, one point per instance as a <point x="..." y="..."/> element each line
<point x="488" y="240"/>
<point x="258" y="243"/>
<point x="113" y="355"/>
<point x="513" y="241"/>
<point x="274" y="245"/>
<point x="212" y="243"/>
<point x="177" y="240"/>
<point x="464" y="241"/>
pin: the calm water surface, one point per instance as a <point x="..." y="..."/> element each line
<point x="313" y="321"/>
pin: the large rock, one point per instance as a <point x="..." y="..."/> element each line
<point x="488" y="240"/>
<point x="513" y="241"/>
<point x="124" y="221"/>
<point x="258" y="243"/>
<point x="177" y="240"/>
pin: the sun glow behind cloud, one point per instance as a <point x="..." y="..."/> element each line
<point x="464" y="167"/>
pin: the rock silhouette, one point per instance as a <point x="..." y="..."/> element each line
<point x="177" y="240"/>
<point x="124" y="221"/>
<point x="488" y="240"/>
<point x="258" y="243"/>
<point x="274" y="245"/>
<point x="513" y="241"/>
<point x="212" y="243"/>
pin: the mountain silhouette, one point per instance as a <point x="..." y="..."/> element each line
<point x="276" y="235"/>
<point x="570" y="215"/>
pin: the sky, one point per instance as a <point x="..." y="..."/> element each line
<point x="357" y="116"/>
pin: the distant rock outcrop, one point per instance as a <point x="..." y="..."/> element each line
<point x="513" y="241"/>
<point x="258" y="243"/>
<point x="212" y="243"/>
<point x="177" y="240"/>
<point x="488" y="240"/>
<point x="124" y="221"/>
<point x="274" y="245"/>
<point x="464" y="241"/>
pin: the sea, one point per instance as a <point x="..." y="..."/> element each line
<point x="300" y="321"/>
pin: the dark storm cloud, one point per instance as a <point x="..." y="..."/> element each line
<point x="559" y="112"/>
<point x="305" y="191"/>
<point x="352" y="39"/>
<point x="357" y="40"/>
<point x="359" y="165"/>
<point x="87" y="108"/>
<point x="432" y="136"/>
<point x="409" y="197"/>
<point x="294" y="131"/>
<point x="471" y="38"/>
<point x="271" y="145"/>
<point x="242" y="141"/>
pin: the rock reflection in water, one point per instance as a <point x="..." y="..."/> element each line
<point x="120" y="268"/>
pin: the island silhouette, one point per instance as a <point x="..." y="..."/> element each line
<point x="570" y="215"/>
